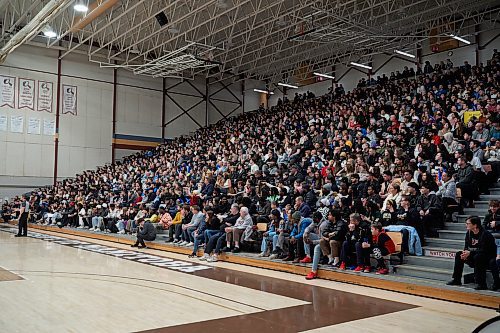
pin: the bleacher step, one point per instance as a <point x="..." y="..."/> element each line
<point x="452" y="234"/>
<point x="445" y="243"/>
<point x="454" y="226"/>
<point x="462" y="218"/>
<point x="430" y="273"/>
<point x="434" y="262"/>
<point x="475" y="211"/>
<point x="489" y="197"/>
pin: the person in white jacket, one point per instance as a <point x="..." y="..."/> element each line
<point x="243" y="226"/>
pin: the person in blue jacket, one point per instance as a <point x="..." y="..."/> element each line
<point x="296" y="241"/>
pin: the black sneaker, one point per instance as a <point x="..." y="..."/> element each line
<point x="226" y="249"/>
<point x="134" y="245"/>
<point x="236" y="250"/>
<point x="495" y="286"/>
<point x="480" y="287"/>
<point x="454" y="283"/>
<point x="169" y="240"/>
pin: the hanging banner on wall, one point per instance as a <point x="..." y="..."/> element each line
<point x="17" y="124"/>
<point x="26" y="94"/>
<point x="34" y="126"/>
<point x="45" y="96"/>
<point x="49" y="127"/>
<point x="69" y="99"/>
<point x="7" y="91"/>
<point x="3" y="123"/>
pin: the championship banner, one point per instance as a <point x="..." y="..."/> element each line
<point x="69" y="99"/>
<point x="7" y="91"/>
<point x="26" y="94"/>
<point x="45" y="96"/>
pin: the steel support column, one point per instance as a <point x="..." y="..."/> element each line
<point x="163" y="109"/>
<point x="113" y="145"/>
<point x="58" y="105"/>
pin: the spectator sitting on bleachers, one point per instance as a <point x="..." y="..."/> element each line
<point x="380" y="246"/>
<point x="358" y="233"/>
<point x="480" y="253"/>
<point x="491" y="223"/>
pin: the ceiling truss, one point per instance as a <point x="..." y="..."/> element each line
<point x="236" y="39"/>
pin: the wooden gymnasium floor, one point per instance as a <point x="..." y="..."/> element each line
<point x="76" y="284"/>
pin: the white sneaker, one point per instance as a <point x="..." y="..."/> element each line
<point x="213" y="259"/>
<point x="205" y="256"/>
<point x="273" y="256"/>
<point x="262" y="254"/>
<point x="176" y="241"/>
<point x="79" y="227"/>
<point x="183" y="243"/>
<point x="190" y="244"/>
<point x="121" y="232"/>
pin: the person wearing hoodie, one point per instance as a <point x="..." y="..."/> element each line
<point x="429" y="208"/>
<point x="312" y="235"/>
<point x="332" y="236"/>
<point x="380" y="246"/>
<point x="296" y="240"/>
<point x="358" y="233"/>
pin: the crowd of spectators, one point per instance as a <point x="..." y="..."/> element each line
<point x="316" y="179"/>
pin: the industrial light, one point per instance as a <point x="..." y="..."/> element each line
<point x="264" y="91"/>
<point x="80" y="7"/>
<point x="287" y="85"/>
<point x="361" y="65"/>
<point x="406" y="54"/>
<point x="48" y="32"/>
<point x="460" y="39"/>
<point x="325" y="75"/>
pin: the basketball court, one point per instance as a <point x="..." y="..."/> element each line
<point x="65" y="283"/>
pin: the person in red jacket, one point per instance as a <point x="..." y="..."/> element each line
<point x="381" y="246"/>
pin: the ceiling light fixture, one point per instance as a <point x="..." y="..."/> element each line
<point x="460" y="39"/>
<point x="263" y="91"/>
<point x="361" y="65"/>
<point x="287" y="85"/>
<point x="406" y="54"/>
<point x="48" y="32"/>
<point x="325" y="75"/>
<point x="81" y="7"/>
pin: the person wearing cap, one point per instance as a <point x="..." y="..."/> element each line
<point x="267" y="236"/>
<point x="296" y="241"/>
<point x="146" y="232"/>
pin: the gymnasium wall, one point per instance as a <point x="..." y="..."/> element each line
<point x="85" y="139"/>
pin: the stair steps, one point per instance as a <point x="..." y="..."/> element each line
<point x="452" y="234"/>
<point x="455" y="244"/>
